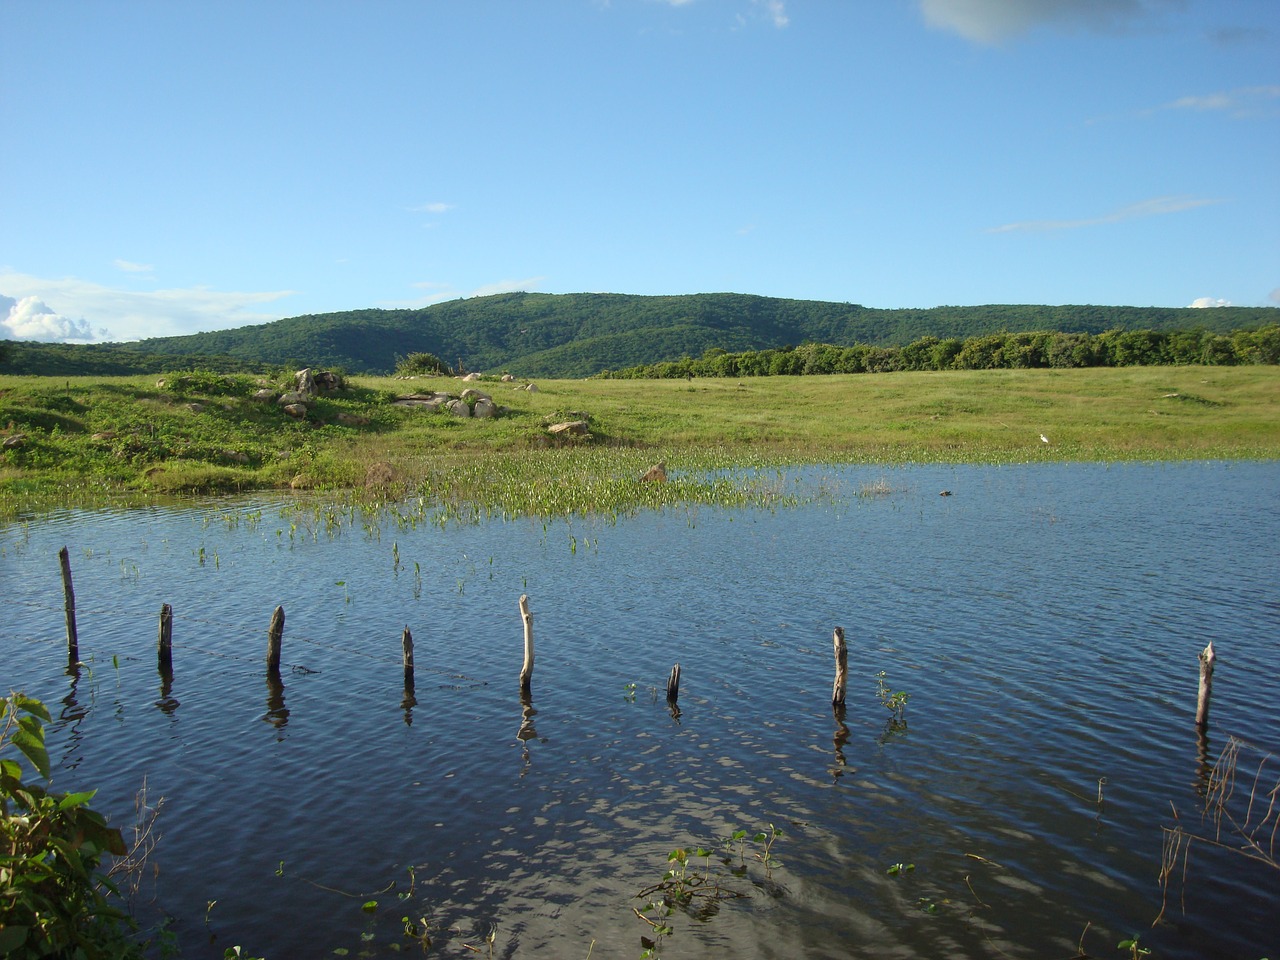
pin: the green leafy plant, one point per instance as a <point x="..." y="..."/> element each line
<point x="895" y="701"/>
<point x="1135" y="949"/>
<point x="55" y="896"/>
<point x="687" y="882"/>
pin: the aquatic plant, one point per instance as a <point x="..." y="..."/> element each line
<point x="895" y="701"/>
<point x="687" y="882"/>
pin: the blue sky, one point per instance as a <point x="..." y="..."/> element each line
<point x="170" y="167"/>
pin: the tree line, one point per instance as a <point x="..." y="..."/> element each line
<point x="996" y="351"/>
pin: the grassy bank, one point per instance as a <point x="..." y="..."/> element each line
<point x="82" y="440"/>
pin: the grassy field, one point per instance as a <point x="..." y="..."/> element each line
<point x="81" y="441"/>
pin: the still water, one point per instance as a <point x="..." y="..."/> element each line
<point x="1045" y="621"/>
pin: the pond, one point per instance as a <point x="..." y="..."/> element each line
<point x="1044" y="621"/>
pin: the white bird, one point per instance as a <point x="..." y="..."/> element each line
<point x="1044" y="438"/>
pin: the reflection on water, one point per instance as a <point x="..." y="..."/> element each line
<point x="1045" y="621"/>
<point x="277" y="713"/>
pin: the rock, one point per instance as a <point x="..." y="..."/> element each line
<point x="104" y="436"/>
<point x="293" y="396"/>
<point x="14" y="441"/>
<point x="236" y="456"/>
<point x="327" y="381"/>
<point x="945" y="493"/>
<point x="570" y="428"/>
<point x="196" y="407"/>
<point x="471" y="378"/>
<point x="532" y="388"/>
<point x="484" y="407"/>
<point x="507" y="378"/>
<point x="423" y="401"/>
<point x="459" y="408"/>
<point x="352" y="420"/>
<point x="471" y="394"/>
<point x="265" y="395"/>
<point x="296" y="410"/>
<point x="656" y="474"/>
<point x="306" y="382"/>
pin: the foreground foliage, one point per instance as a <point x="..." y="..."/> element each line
<point x="53" y="895"/>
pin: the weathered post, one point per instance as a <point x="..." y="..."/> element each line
<point x="406" y="647"/>
<point x="1207" y="658"/>
<point x="164" y="644"/>
<point x="842" y="667"/>
<point x="673" y="685"/>
<point x="69" y="604"/>
<point x="526" y="672"/>
<point x="275" y="633"/>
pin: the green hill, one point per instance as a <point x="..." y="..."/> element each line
<point x="580" y="334"/>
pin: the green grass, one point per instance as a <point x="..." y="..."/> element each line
<point x="135" y="438"/>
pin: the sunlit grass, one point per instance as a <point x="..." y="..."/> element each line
<point x="129" y="440"/>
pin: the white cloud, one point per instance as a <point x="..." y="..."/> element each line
<point x="1243" y="102"/>
<point x="776" y="11"/>
<point x="32" y="319"/>
<point x="434" y="206"/>
<point x="128" y="266"/>
<point x="440" y="292"/>
<point x="994" y="21"/>
<point x="131" y="315"/>
<point x="507" y="286"/>
<point x="1156" y="206"/>
<point x="1209" y="302"/>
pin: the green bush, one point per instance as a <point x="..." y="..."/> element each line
<point x="53" y="897"/>
<point x="421" y="365"/>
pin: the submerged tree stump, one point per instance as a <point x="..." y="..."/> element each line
<point x="275" y="634"/>
<point x="1207" y="658"/>
<point x="164" y="643"/>
<point x="406" y="647"/>
<point x="526" y="672"/>
<point x="842" y="667"/>
<point x="69" y="607"/>
<point x="673" y="685"/>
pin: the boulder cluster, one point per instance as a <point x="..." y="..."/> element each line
<point x="308" y="385"/>
<point x="469" y="403"/>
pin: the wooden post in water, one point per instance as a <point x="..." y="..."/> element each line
<point x="275" y="633"/>
<point x="69" y="603"/>
<point x="406" y="646"/>
<point x="526" y="672"/>
<point x="1207" y="658"/>
<point x="842" y="667"/>
<point x="164" y="644"/>
<point x="673" y="685"/>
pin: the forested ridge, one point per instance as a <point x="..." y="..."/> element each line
<point x="994" y="351"/>
<point x="583" y="334"/>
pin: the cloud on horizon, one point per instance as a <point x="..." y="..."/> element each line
<point x="1204" y="302"/>
<point x="31" y="319"/>
<point x="440" y="292"/>
<point x="1157" y="206"/>
<point x="995" y="21"/>
<point x="111" y="314"/>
